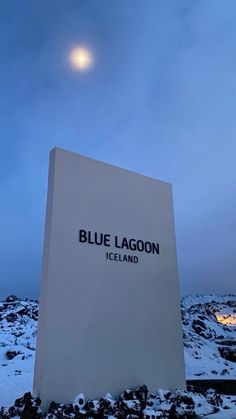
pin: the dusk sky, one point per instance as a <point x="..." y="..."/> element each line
<point x="159" y="99"/>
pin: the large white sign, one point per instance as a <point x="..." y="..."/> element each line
<point x="109" y="306"/>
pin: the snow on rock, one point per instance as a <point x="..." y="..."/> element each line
<point x="210" y="352"/>
<point x="132" y="404"/>
<point x="79" y="400"/>
<point x="210" y="346"/>
<point x="18" y="328"/>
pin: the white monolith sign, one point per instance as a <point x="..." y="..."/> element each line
<point x="109" y="306"/>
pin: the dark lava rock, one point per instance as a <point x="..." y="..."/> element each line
<point x="11" y="354"/>
<point x="200" y="328"/>
<point x="25" y="407"/>
<point x="11" y="298"/>
<point x="11" y="317"/>
<point x="200" y="323"/>
<point x="228" y="353"/>
<point x="108" y="405"/>
<point x="130" y="405"/>
<point x="23" y="312"/>
<point x="224" y="371"/>
<point x="53" y="406"/>
<point x="213" y="398"/>
<point x="94" y="408"/>
<point x="141" y="393"/>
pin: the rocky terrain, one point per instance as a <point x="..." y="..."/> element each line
<point x="132" y="404"/>
<point x="209" y="330"/>
<point x="18" y="328"/>
<point x="210" y="345"/>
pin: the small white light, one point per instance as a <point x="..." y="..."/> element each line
<point x="81" y="59"/>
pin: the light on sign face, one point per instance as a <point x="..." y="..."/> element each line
<point x="81" y="59"/>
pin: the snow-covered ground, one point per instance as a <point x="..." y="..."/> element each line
<point x="210" y="346"/>
<point x="18" y="328"/>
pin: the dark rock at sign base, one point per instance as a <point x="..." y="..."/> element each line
<point x="127" y="395"/>
<point x="141" y="394"/>
<point x="53" y="406"/>
<point x="25" y="407"/>
<point x="93" y="408"/>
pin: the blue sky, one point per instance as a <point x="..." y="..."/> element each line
<point x="160" y="100"/>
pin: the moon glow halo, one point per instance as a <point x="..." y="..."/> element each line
<point x="81" y="59"/>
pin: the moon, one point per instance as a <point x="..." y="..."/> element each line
<point x="81" y="59"/>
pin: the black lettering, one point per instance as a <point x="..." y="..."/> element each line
<point x="140" y="245"/>
<point x="116" y="256"/>
<point x="135" y="259"/>
<point x="107" y="240"/>
<point x="148" y="247"/>
<point x="130" y="258"/>
<point x="155" y="248"/>
<point x="98" y="238"/>
<point x="125" y="243"/>
<point x="116" y="242"/>
<point x="90" y="238"/>
<point x="132" y="244"/>
<point x="82" y="236"/>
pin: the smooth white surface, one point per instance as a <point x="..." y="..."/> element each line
<point x="106" y="325"/>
